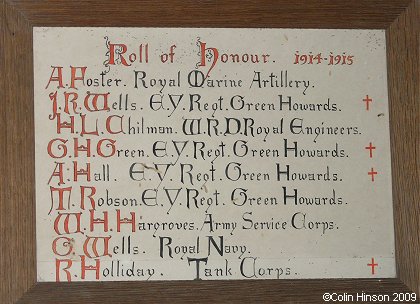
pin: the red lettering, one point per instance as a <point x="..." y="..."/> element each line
<point x="81" y="172"/>
<point x="60" y="198"/>
<point x="90" y="196"/>
<point x="74" y="77"/>
<point x="70" y="221"/>
<point x="58" y="77"/>
<point x="125" y="220"/>
<point x="67" y="243"/>
<point x="90" y="246"/>
<point x="203" y="51"/>
<point x="85" y="267"/>
<point x="60" y="147"/>
<point x="119" y="50"/>
<point x="110" y="144"/>
<point x="94" y="220"/>
<point x="57" y="269"/>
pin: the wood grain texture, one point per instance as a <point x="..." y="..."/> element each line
<point x="214" y="13"/>
<point x="17" y="205"/>
<point x="404" y="85"/>
<point x="17" y="141"/>
<point x="3" y="177"/>
<point x="266" y="291"/>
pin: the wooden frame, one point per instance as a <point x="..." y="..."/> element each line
<point x="400" y="18"/>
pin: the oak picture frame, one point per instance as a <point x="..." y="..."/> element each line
<point x="18" y="279"/>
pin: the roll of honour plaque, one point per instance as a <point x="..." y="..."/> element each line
<point x="213" y="154"/>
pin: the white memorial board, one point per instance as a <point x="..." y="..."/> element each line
<point x="178" y="154"/>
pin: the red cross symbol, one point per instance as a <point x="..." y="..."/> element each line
<point x="372" y="174"/>
<point x="370" y="148"/>
<point x="373" y="265"/>
<point x="367" y="100"/>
